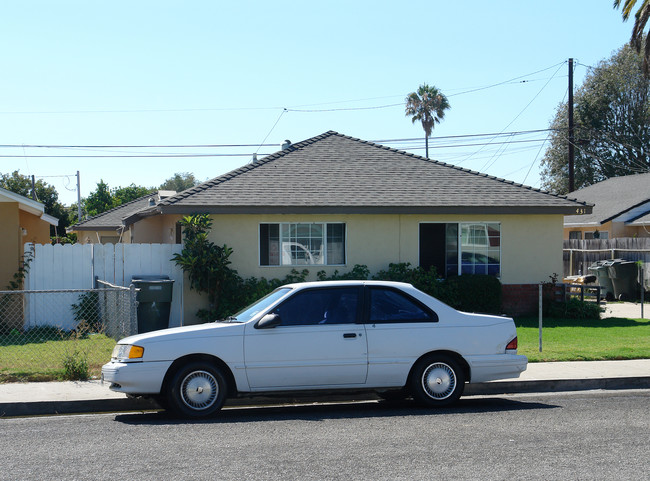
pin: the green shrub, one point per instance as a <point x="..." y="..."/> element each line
<point x="75" y="366"/>
<point x="86" y="312"/>
<point x="475" y="293"/>
<point x="358" y="273"/>
<point x="574" y="308"/>
<point x="426" y="281"/>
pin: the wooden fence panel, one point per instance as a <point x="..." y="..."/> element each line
<point x="74" y="266"/>
<point x="579" y="254"/>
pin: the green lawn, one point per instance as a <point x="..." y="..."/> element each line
<point x="580" y="340"/>
<point x="41" y="358"/>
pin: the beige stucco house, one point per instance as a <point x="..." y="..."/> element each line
<point x="23" y="220"/>
<point x="621" y="209"/>
<point x="109" y="227"/>
<point x="333" y="201"/>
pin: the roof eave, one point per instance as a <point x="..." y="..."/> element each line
<point x="361" y="209"/>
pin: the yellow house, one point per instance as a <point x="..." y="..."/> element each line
<point x="332" y="201"/>
<point x="621" y="209"/>
<point x="23" y="220"/>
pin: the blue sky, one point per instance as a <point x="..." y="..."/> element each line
<point x="168" y="73"/>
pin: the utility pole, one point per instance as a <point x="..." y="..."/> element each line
<point x="78" y="198"/>
<point x="571" y="133"/>
<point x="34" y="196"/>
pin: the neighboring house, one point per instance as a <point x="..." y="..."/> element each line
<point x="109" y="228"/>
<point x="621" y="209"/>
<point x="333" y="201"/>
<point x="23" y="220"/>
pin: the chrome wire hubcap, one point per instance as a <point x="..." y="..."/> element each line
<point x="199" y="390"/>
<point x="439" y="381"/>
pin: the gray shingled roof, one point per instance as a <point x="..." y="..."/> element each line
<point x="612" y="198"/>
<point x="334" y="173"/>
<point x="112" y="219"/>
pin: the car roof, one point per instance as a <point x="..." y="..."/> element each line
<point x="312" y="284"/>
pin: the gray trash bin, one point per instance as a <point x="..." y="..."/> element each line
<point x="600" y="269"/>
<point x="624" y="275"/>
<point x="154" y="302"/>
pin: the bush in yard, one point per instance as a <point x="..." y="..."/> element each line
<point x="475" y="293"/>
<point x="86" y="312"/>
<point x="207" y="266"/>
<point x="574" y="308"/>
<point x="426" y="281"/>
<point x="75" y="366"/>
<point x="358" y="273"/>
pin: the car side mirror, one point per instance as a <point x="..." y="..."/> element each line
<point x="268" y="321"/>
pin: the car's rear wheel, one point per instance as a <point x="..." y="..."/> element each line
<point x="437" y="381"/>
<point x="196" y="390"/>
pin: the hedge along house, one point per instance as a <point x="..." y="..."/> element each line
<point x="333" y="201"/>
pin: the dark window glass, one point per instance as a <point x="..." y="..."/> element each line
<point x="269" y="244"/>
<point x="387" y="305"/>
<point x="320" y="306"/>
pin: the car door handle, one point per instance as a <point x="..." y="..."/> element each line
<point x="349" y="335"/>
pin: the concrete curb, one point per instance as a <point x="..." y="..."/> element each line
<point x="41" y="408"/>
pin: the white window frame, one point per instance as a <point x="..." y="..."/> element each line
<point x="324" y="254"/>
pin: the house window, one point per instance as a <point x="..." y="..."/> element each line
<point x="291" y="244"/>
<point x="461" y="248"/>
<point x="575" y="235"/>
<point x="597" y="235"/>
<point x="110" y="239"/>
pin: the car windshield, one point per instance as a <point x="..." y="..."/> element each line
<point x="258" y="306"/>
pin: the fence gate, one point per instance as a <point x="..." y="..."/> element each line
<point x="75" y="266"/>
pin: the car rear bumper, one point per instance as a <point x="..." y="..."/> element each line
<point x="135" y="377"/>
<point x="499" y="366"/>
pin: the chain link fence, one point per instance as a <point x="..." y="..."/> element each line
<point x="62" y="334"/>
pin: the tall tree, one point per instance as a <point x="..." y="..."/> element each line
<point x="45" y="193"/>
<point x="612" y="126"/>
<point x="179" y="182"/>
<point x="99" y="201"/>
<point x="427" y="105"/>
<point x="122" y="195"/>
<point x="640" y="21"/>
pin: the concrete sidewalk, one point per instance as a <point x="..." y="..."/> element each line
<point x="29" y="399"/>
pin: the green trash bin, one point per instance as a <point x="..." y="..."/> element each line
<point x="624" y="275"/>
<point x="154" y="302"/>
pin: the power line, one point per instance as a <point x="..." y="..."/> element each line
<point x="296" y="108"/>
<point x="216" y="146"/>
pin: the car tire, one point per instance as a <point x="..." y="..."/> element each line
<point x="437" y="381"/>
<point x="196" y="390"/>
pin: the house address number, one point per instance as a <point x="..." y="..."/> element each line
<point x="581" y="211"/>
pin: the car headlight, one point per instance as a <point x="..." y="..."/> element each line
<point x="127" y="351"/>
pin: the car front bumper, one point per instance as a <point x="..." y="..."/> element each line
<point x="498" y="366"/>
<point x="135" y="377"/>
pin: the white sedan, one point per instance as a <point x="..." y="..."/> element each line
<point x="384" y="336"/>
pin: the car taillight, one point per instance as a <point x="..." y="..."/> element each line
<point x="512" y="345"/>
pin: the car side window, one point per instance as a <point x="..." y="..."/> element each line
<point x="320" y="306"/>
<point x="388" y="305"/>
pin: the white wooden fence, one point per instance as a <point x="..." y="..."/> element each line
<point x="75" y="266"/>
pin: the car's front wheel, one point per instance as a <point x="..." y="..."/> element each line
<point x="196" y="390"/>
<point x="437" y="380"/>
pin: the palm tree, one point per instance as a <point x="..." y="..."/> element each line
<point x="641" y="19"/>
<point x="427" y="105"/>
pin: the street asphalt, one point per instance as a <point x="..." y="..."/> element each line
<point x="47" y="398"/>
